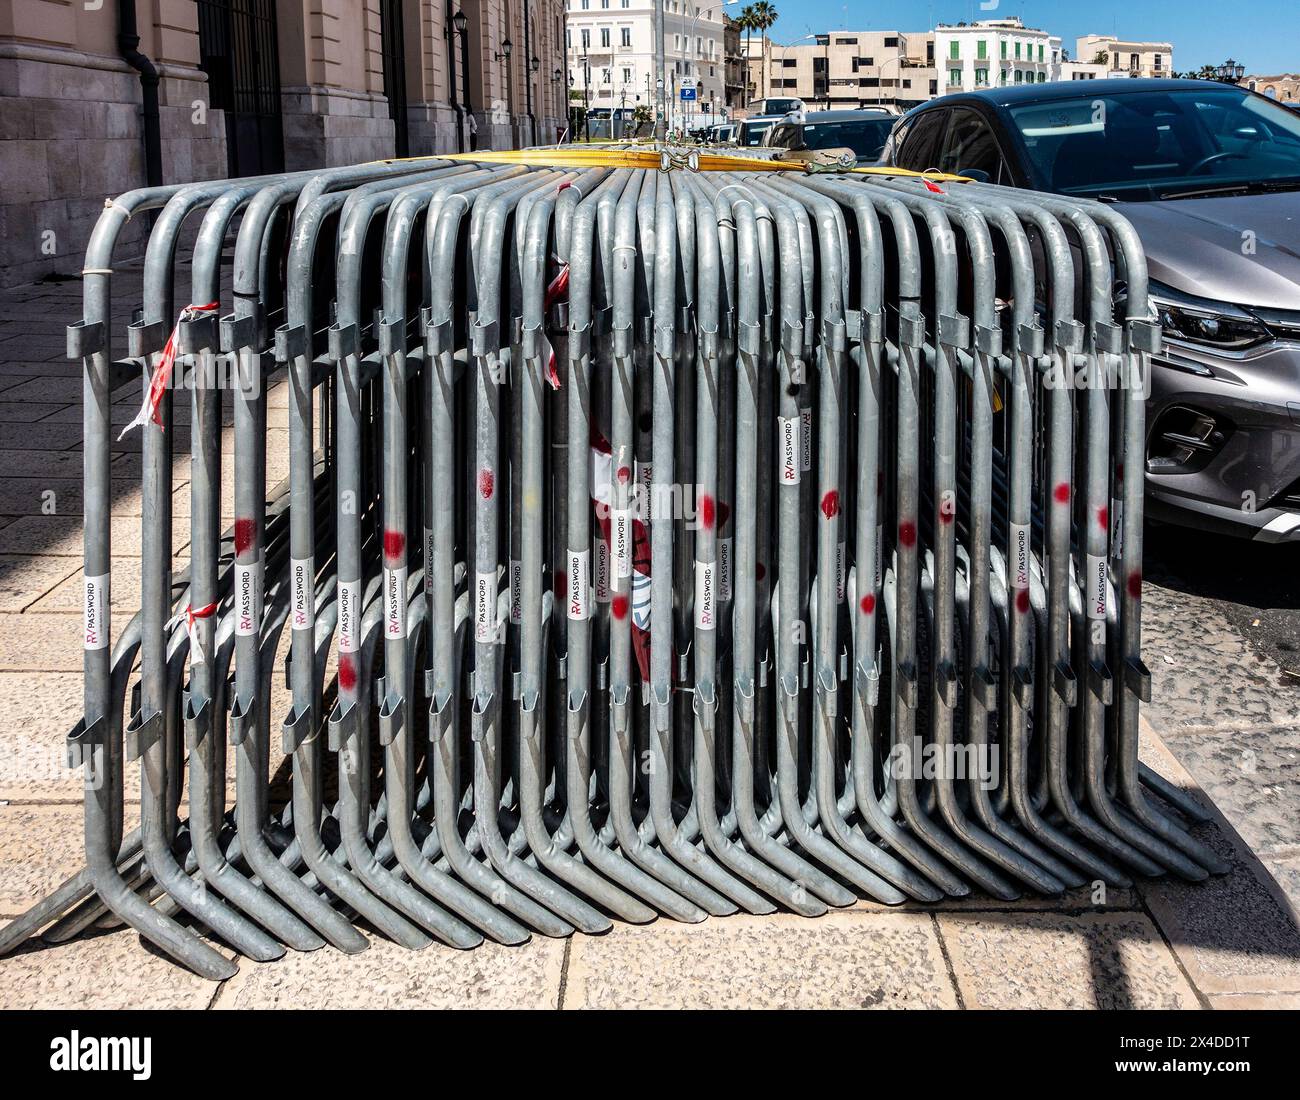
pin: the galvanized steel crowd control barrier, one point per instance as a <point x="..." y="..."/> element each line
<point x="664" y="532"/>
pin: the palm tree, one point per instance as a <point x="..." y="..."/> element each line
<point x="764" y="16"/>
<point x="745" y="22"/>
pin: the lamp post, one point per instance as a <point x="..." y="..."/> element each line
<point x="449" y="22"/>
<point x="1230" y="72"/>
<point x="586" y="96"/>
<point x="534" y="64"/>
<point x="880" y="72"/>
<point x="461" y="22"/>
<point x="557" y="78"/>
<point x="506" y="48"/>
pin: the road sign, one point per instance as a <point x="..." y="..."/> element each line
<point x="688" y="93"/>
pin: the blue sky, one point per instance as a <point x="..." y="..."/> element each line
<point x="1264" y="35"/>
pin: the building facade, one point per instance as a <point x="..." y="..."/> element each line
<point x="845" y="69"/>
<point x="1125" y="58"/>
<point x="994" y="52"/>
<point x="610" y="57"/>
<point x="1285" y="87"/>
<point x="245" y="87"/>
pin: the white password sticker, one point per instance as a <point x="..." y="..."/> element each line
<point x="395" y="602"/>
<point x="579" y="591"/>
<point x="349" y="612"/>
<point x="95" y="609"/>
<point x="602" y="569"/>
<point x="788" y="432"/>
<point x="1020" y="555"/>
<point x="620" y="532"/>
<point x="705" y="593"/>
<point x="485" y="606"/>
<point x="805" y="439"/>
<point x="1096" y="586"/>
<point x="246" y="599"/>
<point x="516" y="592"/>
<point x="304" y="593"/>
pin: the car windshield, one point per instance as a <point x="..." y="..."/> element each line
<point x="865" y="136"/>
<point x="754" y="130"/>
<point x="780" y="106"/>
<point x="1181" y="143"/>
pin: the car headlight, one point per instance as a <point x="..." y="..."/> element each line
<point x="1204" y="322"/>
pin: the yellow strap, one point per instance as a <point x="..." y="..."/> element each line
<point x="586" y="157"/>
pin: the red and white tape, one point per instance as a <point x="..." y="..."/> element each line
<point x="162" y="373"/>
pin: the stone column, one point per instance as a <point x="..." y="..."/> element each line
<point x="331" y="83"/>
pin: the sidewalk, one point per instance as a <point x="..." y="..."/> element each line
<point x="1221" y="718"/>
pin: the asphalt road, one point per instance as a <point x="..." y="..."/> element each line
<point x="1255" y="586"/>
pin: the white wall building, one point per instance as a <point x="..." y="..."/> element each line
<point x="993" y="52"/>
<point x="610" y="56"/>
<point x="1123" y="57"/>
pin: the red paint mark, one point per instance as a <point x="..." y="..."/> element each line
<point x="831" y="504"/>
<point x="1103" y="518"/>
<point x="1135" y="585"/>
<point x="724" y="513"/>
<point x="760" y="571"/>
<point x="934" y="187"/>
<point x="561" y="582"/>
<point x="708" y="512"/>
<point x="486" y="484"/>
<point x="907" y="533"/>
<point x="347" y="672"/>
<point x="394" y="545"/>
<point x="945" y="515"/>
<point x="1062" y="493"/>
<point x="619" y="607"/>
<point x="868" y="603"/>
<point x="245" y="530"/>
<point x="624" y="475"/>
<point x="1022" y="601"/>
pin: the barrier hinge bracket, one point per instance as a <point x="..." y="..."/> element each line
<point x="85" y="338"/>
<point x="237" y="332"/>
<point x="344" y="340"/>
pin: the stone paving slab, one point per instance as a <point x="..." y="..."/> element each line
<point x="51" y="643"/>
<point x="27" y="496"/>
<point x="854" y="959"/>
<point x="41" y="437"/>
<point x="1253" y="776"/>
<point x="24" y="577"/>
<point x="25" y="463"/>
<point x="41" y="707"/>
<point x="63" y="535"/>
<point x="1234" y="933"/>
<point x="40" y="847"/>
<point x="114" y="970"/>
<point x="1208" y="677"/>
<point x="1015" y="959"/>
<point x="391" y="977"/>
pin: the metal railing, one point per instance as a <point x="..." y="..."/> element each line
<point x="654" y="541"/>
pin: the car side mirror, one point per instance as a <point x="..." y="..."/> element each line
<point x="976" y="174"/>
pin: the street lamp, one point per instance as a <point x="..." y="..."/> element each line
<point x="461" y="22"/>
<point x="1230" y="72"/>
<point x="534" y="64"/>
<point x="449" y="22"/>
<point x="880" y="72"/>
<point x="506" y="47"/>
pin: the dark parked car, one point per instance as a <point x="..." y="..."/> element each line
<point x="863" y="132"/>
<point x="1209" y="175"/>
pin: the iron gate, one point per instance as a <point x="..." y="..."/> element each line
<point x="238" y="50"/>
<point x="394" y="49"/>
